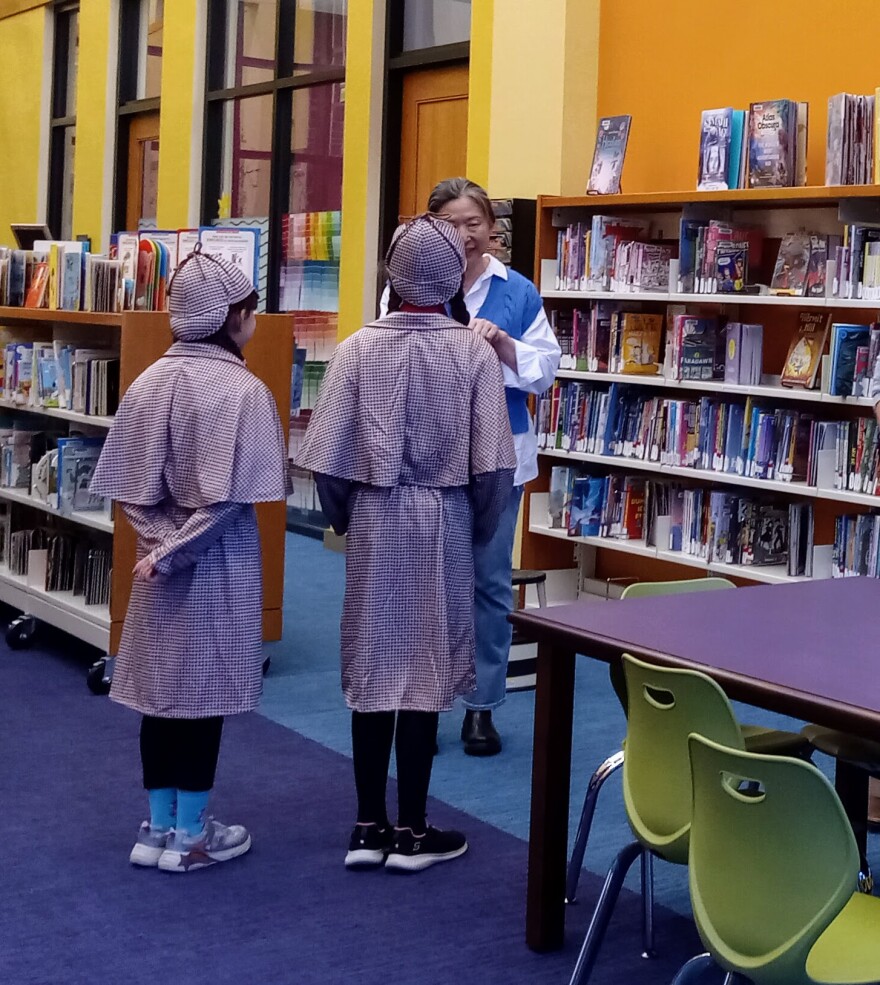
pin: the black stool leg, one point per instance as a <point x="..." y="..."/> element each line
<point x="851" y="783"/>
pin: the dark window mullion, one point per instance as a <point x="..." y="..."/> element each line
<point x="55" y="204"/>
<point x="285" y="38"/>
<point x="60" y="63"/>
<point x="218" y="11"/>
<point x="213" y="161"/>
<point x="129" y="51"/>
<point x="279" y="189"/>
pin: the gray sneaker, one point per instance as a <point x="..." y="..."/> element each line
<point x="217" y="843"/>
<point x="149" y="846"/>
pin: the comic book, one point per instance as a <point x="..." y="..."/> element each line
<point x="772" y="140"/>
<point x="608" y="156"/>
<point x="715" y="136"/>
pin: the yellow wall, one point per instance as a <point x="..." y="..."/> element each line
<point x="95" y="126"/>
<point x="544" y="62"/>
<point x="21" y="95"/>
<point x="665" y="62"/>
<point x="360" y="171"/>
<point x="182" y="114"/>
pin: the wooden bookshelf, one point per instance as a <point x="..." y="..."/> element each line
<point x="773" y="208"/>
<point x="142" y="337"/>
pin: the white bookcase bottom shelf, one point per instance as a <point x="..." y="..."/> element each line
<point x="96" y="520"/>
<point x="64" y="610"/>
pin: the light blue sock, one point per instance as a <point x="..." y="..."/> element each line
<point x="192" y="810"/>
<point x="163" y="808"/>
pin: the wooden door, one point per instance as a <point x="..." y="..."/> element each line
<point x="142" y="181"/>
<point x="434" y="134"/>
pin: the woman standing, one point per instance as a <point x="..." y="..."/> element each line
<point x="412" y="452"/>
<point x="196" y="442"/>
<point x="506" y="310"/>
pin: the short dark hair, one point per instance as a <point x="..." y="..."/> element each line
<point x="451" y="188"/>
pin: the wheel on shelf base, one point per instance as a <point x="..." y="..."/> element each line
<point x="98" y="678"/>
<point x="20" y="632"/>
<point x="267" y="663"/>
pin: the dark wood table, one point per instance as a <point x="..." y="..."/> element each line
<point x="808" y="649"/>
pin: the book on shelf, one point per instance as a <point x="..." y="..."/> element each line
<point x="635" y="345"/>
<point x="772" y="143"/>
<point x="612" y="136"/>
<point x="696" y="346"/>
<point x="743" y="353"/>
<point x="851" y="138"/>
<point x="716" y="135"/>
<point x="805" y="351"/>
<point x="856" y="550"/>
<point x="845" y="341"/>
<point x="731" y="267"/>
<point x="792" y="264"/>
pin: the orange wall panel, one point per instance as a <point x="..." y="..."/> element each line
<point x="665" y="62"/>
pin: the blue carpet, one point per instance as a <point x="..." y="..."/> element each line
<point x="75" y="912"/>
<point x="303" y="692"/>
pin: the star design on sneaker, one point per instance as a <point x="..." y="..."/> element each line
<point x="196" y="856"/>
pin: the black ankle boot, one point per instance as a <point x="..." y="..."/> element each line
<point x="479" y="735"/>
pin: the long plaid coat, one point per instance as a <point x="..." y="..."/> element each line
<point x="196" y="442"/>
<point x="411" y="430"/>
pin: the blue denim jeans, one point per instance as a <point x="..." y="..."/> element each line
<point x="493" y="600"/>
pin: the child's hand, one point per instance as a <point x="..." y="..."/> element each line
<point x="145" y="570"/>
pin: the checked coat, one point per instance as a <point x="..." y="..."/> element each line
<point x="411" y="447"/>
<point x="196" y="442"/>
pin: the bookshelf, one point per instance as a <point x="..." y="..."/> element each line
<point x="141" y="338"/>
<point x="825" y="209"/>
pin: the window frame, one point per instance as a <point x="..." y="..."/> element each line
<point x="60" y="121"/>
<point x="281" y="88"/>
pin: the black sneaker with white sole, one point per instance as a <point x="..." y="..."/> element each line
<point x="369" y="845"/>
<point x="412" y="853"/>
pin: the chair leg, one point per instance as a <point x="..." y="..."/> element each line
<point x="851" y="784"/>
<point x="692" y="972"/>
<point x="602" y="914"/>
<point x="611" y="765"/>
<point x="648" y="905"/>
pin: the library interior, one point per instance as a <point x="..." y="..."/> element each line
<point x="424" y="403"/>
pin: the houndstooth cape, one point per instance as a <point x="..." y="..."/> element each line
<point x="197" y="440"/>
<point x="411" y="410"/>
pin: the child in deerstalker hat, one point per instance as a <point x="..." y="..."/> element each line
<point x="196" y="443"/>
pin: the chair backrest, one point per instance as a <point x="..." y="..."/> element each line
<point x="645" y="589"/>
<point x="770" y="869"/>
<point x="664" y="707"/>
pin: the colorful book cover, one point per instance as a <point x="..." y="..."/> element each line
<point x="771" y="143"/>
<point x="640" y="343"/>
<point x="71" y="280"/>
<point x="805" y="352"/>
<point x="238" y="246"/>
<point x="611" y="139"/>
<point x="814" y="285"/>
<point x="792" y="263"/>
<point x="845" y="340"/>
<point x="737" y="135"/>
<point x="731" y="265"/>
<point x="36" y="295"/>
<point x="715" y="141"/>
<point x="699" y="349"/>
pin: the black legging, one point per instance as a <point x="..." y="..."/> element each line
<point x="180" y="752"/>
<point x="372" y="734"/>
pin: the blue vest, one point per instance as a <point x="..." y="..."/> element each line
<point x="513" y="305"/>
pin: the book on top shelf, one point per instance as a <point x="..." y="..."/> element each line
<point x="608" y="156"/>
<point x="715" y="147"/>
<point x="772" y="142"/>
<point x="805" y="352"/>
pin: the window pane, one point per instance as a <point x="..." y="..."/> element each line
<point x="150" y="56"/>
<point x="149" y="179"/>
<point x="250" y="42"/>
<point x="72" y="61"/>
<point x="66" y="231"/>
<point x="247" y="156"/>
<point x="428" y="23"/>
<point x="319" y="35"/>
<point x="312" y="228"/>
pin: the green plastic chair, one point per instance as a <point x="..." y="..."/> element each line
<point x="773" y="870"/>
<point x="664" y="706"/>
<point x="756" y="737"/>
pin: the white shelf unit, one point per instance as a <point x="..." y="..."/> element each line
<point x="61" y="414"/>
<point x="66" y="611"/>
<point x="715" y="386"/>
<point x="778" y="211"/>
<point x="96" y="520"/>
<point x="676" y="297"/>
<point x="724" y="478"/>
<point x="769" y="574"/>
